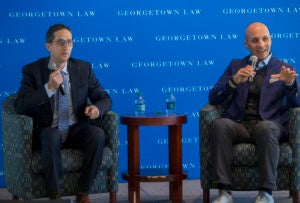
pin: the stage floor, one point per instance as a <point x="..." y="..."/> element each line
<point x="158" y="192"/>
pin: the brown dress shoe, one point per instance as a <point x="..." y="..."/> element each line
<point x="83" y="198"/>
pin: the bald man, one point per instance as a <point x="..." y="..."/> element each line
<point x="261" y="97"/>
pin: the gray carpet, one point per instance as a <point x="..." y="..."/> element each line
<point x="192" y="193"/>
<point x="158" y="193"/>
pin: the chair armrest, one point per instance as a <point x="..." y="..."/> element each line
<point x="17" y="140"/>
<point x="294" y="133"/>
<point x="207" y="115"/>
<point x="109" y="123"/>
<point x="210" y="112"/>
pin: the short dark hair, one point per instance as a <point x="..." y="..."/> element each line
<point x="52" y="29"/>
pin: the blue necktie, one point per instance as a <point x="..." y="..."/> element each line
<point x="63" y="109"/>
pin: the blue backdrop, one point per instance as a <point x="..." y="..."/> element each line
<point x="152" y="46"/>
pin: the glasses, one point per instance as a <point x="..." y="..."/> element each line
<point x="62" y="42"/>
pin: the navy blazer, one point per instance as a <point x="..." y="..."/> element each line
<point x="33" y="100"/>
<point x="275" y="98"/>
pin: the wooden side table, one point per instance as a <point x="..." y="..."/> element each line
<point x="176" y="175"/>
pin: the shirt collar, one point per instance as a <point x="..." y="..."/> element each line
<point x="65" y="69"/>
<point x="265" y="61"/>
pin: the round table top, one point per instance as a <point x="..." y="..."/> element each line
<point x="154" y="119"/>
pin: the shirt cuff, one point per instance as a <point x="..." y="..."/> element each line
<point x="290" y="85"/>
<point x="49" y="92"/>
<point x="232" y="84"/>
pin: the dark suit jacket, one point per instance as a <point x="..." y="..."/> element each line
<point x="275" y="98"/>
<point x="32" y="99"/>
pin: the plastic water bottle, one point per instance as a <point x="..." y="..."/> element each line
<point x="140" y="107"/>
<point x="171" y="104"/>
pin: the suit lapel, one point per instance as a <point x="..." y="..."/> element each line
<point x="73" y="78"/>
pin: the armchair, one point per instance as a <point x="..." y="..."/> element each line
<point x="23" y="166"/>
<point x="244" y="167"/>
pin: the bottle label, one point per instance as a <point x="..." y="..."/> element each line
<point x="170" y="105"/>
<point x="140" y="107"/>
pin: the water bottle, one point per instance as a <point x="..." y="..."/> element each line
<point x="139" y="102"/>
<point x="171" y="104"/>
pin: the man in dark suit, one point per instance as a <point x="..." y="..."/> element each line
<point x="41" y="86"/>
<point x="257" y="112"/>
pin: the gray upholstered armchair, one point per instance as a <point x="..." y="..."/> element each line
<point x="244" y="166"/>
<point x="22" y="164"/>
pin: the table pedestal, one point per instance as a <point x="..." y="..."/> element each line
<point x="176" y="174"/>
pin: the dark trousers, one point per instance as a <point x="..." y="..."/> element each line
<point x="90" y="139"/>
<point x="264" y="134"/>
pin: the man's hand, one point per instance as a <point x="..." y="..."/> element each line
<point x="286" y="75"/>
<point x="243" y="74"/>
<point x="55" y="79"/>
<point x="92" y="112"/>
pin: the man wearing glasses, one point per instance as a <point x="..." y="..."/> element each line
<point x="58" y="86"/>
